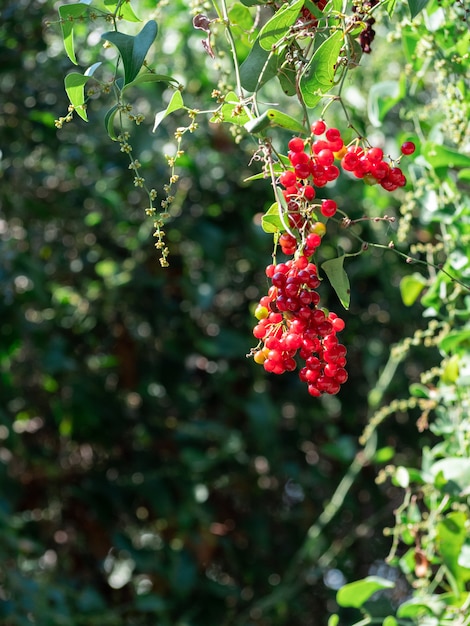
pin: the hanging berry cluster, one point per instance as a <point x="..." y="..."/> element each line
<point x="291" y="322"/>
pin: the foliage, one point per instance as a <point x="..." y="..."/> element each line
<point x="150" y="473"/>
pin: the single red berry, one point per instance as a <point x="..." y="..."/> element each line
<point x="332" y="134"/>
<point x="313" y="240"/>
<point x="375" y="155"/>
<point x="308" y="192"/>
<point x="318" y="128"/>
<point x="379" y="169"/>
<point x="338" y="324"/>
<point x="328" y="208"/>
<point x="408" y="148"/>
<point x="298" y="158"/>
<point x="302" y="171"/>
<point x="287" y="179"/>
<point x="336" y="146"/>
<point x="296" y="144"/>
<point x="325" y="157"/>
<point x="287" y="241"/>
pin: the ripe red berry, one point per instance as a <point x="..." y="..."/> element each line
<point x="375" y="155"/>
<point x="296" y="144"/>
<point x="408" y="148"/>
<point x="287" y="178"/>
<point x="308" y="192"/>
<point x="325" y="157"/>
<point x="318" y="128"/>
<point x="332" y="134"/>
<point x="328" y="208"/>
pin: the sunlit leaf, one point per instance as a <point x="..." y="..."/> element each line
<point x="338" y="278"/>
<point x="357" y="593"/>
<point x="455" y="340"/>
<point x="277" y="27"/>
<point x="133" y="49"/>
<point x="271" y="221"/>
<point x="273" y="117"/>
<point x="411" y="286"/>
<point x="416" y="607"/>
<point x="68" y="14"/>
<point x="125" y="10"/>
<point x="441" y="156"/>
<point x="318" y="78"/>
<point x="451" y="536"/>
<point x="175" y="104"/>
<point x="149" y="77"/>
<point x="231" y="106"/>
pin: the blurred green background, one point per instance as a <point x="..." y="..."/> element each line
<point x="151" y="474"/>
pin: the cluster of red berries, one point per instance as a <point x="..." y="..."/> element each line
<point x="291" y="323"/>
<point x="319" y="166"/>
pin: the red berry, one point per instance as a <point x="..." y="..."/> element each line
<point x="308" y="192"/>
<point x="328" y="208"/>
<point x="375" y="155"/>
<point x="332" y="134"/>
<point x="325" y="157"/>
<point x="288" y="178"/>
<point x="318" y="128"/>
<point x="298" y="158"/>
<point x="296" y="144"/>
<point x="408" y="148"/>
<point x="302" y="171"/>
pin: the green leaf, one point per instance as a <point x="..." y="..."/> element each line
<point x="451" y="536"/>
<point x="451" y="370"/>
<point x="338" y="279"/>
<point x="383" y="455"/>
<point x="401" y="477"/>
<point x="418" y="390"/>
<point x="271" y="221"/>
<point x="287" y="77"/>
<point x="109" y="122"/>
<point x="441" y="156"/>
<point x="133" y="49"/>
<point x="416" y="607"/>
<point x="319" y="75"/>
<point x="272" y="117"/>
<point x="149" y="77"/>
<point x="333" y="620"/>
<point x="416" y="6"/>
<point x="390" y="621"/>
<point x="68" y="13"/>
<point x="454" y="470"/>
<point x="411" y="286"/>
<point x="464" y="175"/>
<point x="390" y="6"/>
<point x="125" y="10"/>
<point x="383" y="97"/>
<point x="258" y="68"/>
<point x="276" y="28"/>
<point x="175" y="104"/>
<point x="75" y="89"/>
<point x="357" y="593"/>
<point x="455" y="340"/>
<point x="231" y="103"/>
